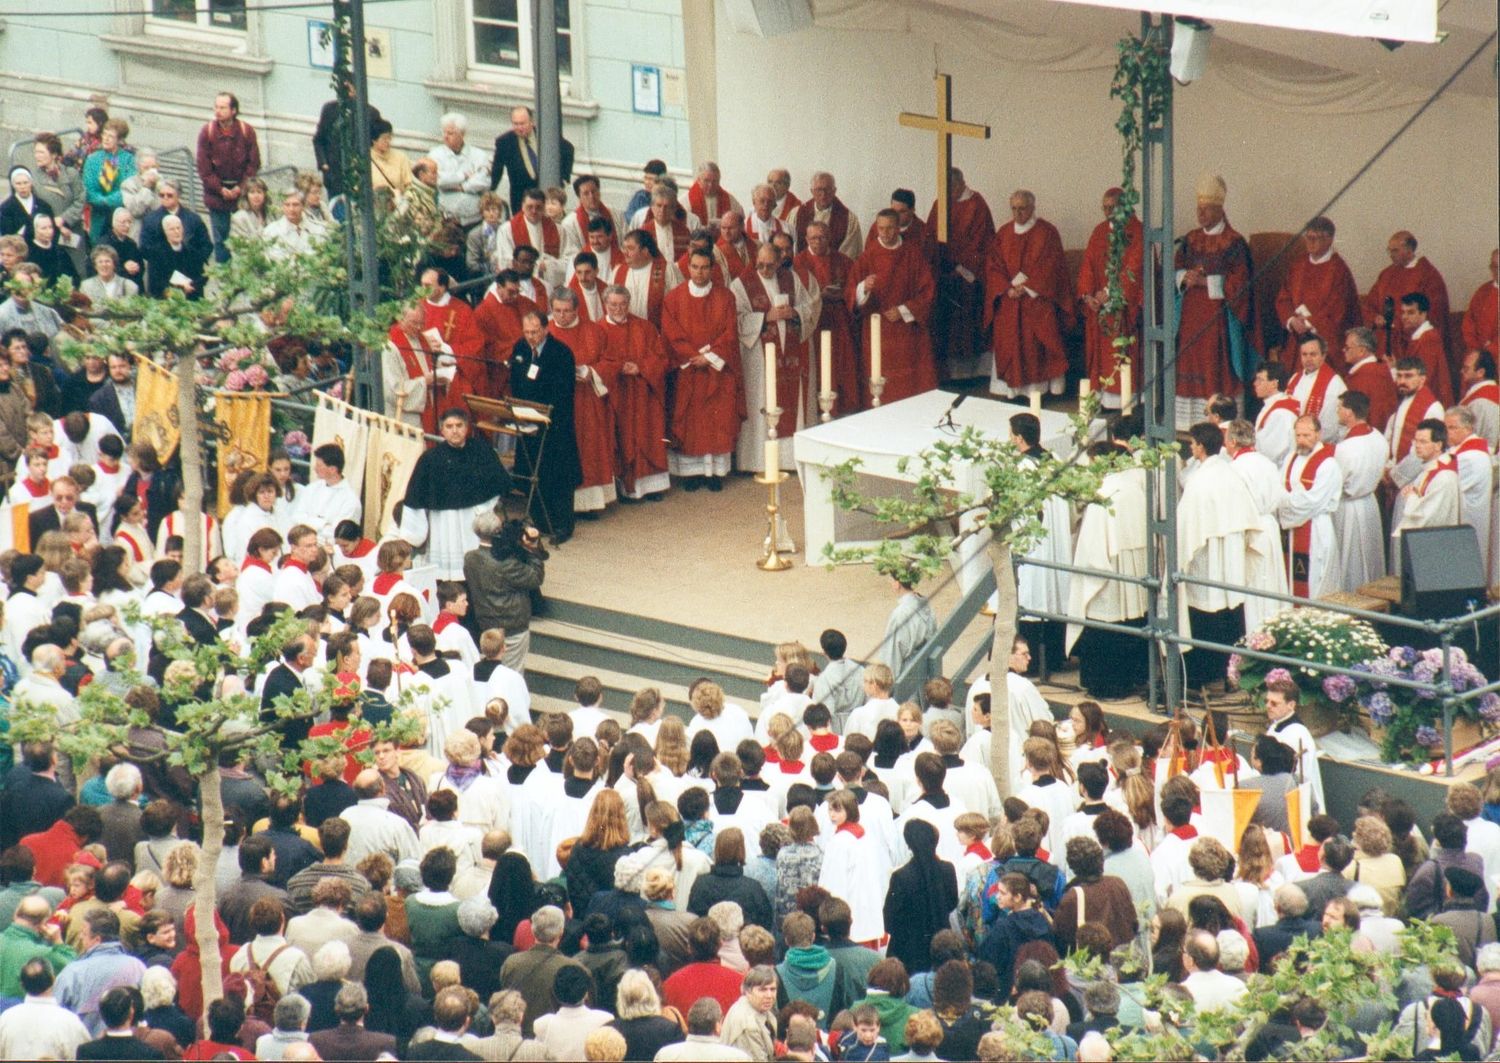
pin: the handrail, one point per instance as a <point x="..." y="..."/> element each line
<point x="928" y="662"/>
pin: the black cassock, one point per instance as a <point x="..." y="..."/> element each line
<point x="547" y="376"/>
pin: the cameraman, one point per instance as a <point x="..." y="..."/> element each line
<point x="505" y="574"/>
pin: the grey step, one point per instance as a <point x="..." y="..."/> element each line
<point x="553" y="678"/>
<point x="661" y="631"/>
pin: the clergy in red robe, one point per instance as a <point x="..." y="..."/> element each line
<point x="667" y="224"/>
<point x="707" y="199"/>
<point x="911" y="229"/>
<point x="826" y="206"/>
<point x="1481" y="394"/>
<point x="453" y="320"/>
<point x="734" y="252"/>
<point x="585" y="284"/>
<point x="772" y="309"/>
<point x="1028" y="301"/>
<point x="1408" y="272"/>
<point x="409" y="367"/>
<point x="1424" y="341"/>
<point x="646" y="275"/>
<point x="1099" y="351"/>
<point x="830" y="269"/>
<point x="498" y="318"/>
<point x="1318" y="295"/>
<point x="1370" y="374"/>
<point x="701" y="338"/>
<point x="958" y="315"/>
<point x="532" y="228"/>
<point x="593" y="422"/>
<point x="1213" y="279"/>
<point x="892" y="282"/>
<point x="632" y="351"/>
<point x="787" y="201"/>
<point x="1481" y="319"/>
<point x="575" y="227"/>
<point x="701" y="240"/>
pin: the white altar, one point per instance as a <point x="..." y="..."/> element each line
<point x="881" y="437"/>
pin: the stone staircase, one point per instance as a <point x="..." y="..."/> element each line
<point x="627" y="652"/>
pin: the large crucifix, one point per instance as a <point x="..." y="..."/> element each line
<point x="945" y="128"/>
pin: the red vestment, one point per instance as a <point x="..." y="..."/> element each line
<point x="638" y="402"/>
<point x="1318" y="396"/>
<point x="520" y="234"/>
<point x="832" y="274"/>
<point x="1203" y="367"/>
<point x="583" y="303"/>
<point x="681" y="235"/>
<point x="899" y="277"/>
<point x="791" y="356"/>
<point x="923" y="235"/>
<point x="1407" y="429"/>
<point x="500" y="326"/>
<point x="1028" y="331"/>
<point x="542" y="304"/>
<point x="838" y="222"/>
<point x="1093" y="276"/>
<point x="583" y="218"/>
<point x="1429" y="348"/>
<point x="1481" y="321"/>
<point x="708" y="404"/>
<point x="698" y="205"/>
<point x="788" y="208"/>
<point x="454" y="321"/>
<point x="1327" y="289"/>
<point x="593" y="422"/>
<point x="729" y="261"/>
<point x="1373" y="377"/>
<point x="683" y="261"/>
<point x="958" y="317"/>
<point x="1393" y="283"/>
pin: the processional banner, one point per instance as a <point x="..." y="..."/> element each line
<point x="393" y="450"/>
<point x="155" y="407"/>
<point x="243" y="421"/>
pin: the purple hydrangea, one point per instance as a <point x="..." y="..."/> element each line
<point x="1489" y="707"/>
<point x="1278" y="675"/>
<point x="1338" y="688"/>
<point x="1404" y="656"/>
<point x="1429" y="737"/>
<point x="1380" y="707"/>
<point x="297" y="444"/>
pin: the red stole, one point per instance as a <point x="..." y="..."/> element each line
<point x="583" y="218"/>
<point x="1309" y="857"/>
<point x="698" y="204"/>
<point x="1445" y="463"/>
<point x="583" y="304"/>
<point x="1415" y="410"/>
<point x="1358" y="430"/>
<point x="1485" y="389"/>
<point x="443" y="620"/>
<point x="656" y="289"/>
<point x="1286" y="403"/>
<point x="1319" y="393"/>
<point x="838" y="223"/>
<point x="1472" y="445"/>
<point x="1299" y="556"/>
<point x="791" y="357"/>
<point x="788" y="208"/>
<point x="36" y="490"/>
<point x="731" y="261"/>
<point x="383" y="583"/>
<point x="255" y="562"/>
<point x="853" y="828"/>
<point x="520" y="233"/>
<point x="416" y="364"/>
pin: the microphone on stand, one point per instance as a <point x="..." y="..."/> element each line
<point x="946" y="421"/>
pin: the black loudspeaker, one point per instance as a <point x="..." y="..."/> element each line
<point x="1442" y="575"/>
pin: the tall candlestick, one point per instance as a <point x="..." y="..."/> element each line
<point x="1085" y="387"/>
<point x="1036" y="402"/>
<point x="773" y="457"/>
<point x="1125" y="394"/>
<point x="875" y="347"/>
<point x="771" y="376"/>
<point x="825" y="362"/>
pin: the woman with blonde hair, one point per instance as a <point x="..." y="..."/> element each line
<point x="728" y="723"/>
<point x="646" y="713"/>
<point x="53" y="548"/>
<point x="1132" y="792"/>
<point x="665" y="849"/>
<point x="176" y="895"/>
<point x="1374" y="863"/>
<point x="672" y="745"/>
<point x="641" y="1022"/>
<point x="1256" y="877"/>
<point x="605" y="838"/>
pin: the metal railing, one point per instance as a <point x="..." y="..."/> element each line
<point x="21" y="154"/>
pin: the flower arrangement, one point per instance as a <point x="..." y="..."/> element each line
<point x="1318" y="637"/>
<point x="241" y="369"/>
<point x="1411" y="720"/>
<point x="296" y="444"/>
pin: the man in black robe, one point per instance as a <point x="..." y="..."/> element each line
<point x="451" y="484"/>
<point x="542" y="370"/>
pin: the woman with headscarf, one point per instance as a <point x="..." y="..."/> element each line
<point x="513" y="893"/>
<point x="392" y="1009"/>
<point x="920" y="898"/>
<point x="19" y="210"/>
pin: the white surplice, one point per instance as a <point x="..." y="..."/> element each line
<point x="1264" y="482"/>
<point x="1300" y="505"/>
<point x="1356" y="521"/>
<point x="1112" y="537"/>
<point x="751" y="454"/>
<point x="1220" y="537"/>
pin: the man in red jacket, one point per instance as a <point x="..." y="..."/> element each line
<point x="228" y="156"/>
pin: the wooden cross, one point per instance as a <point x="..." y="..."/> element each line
<point x="945" y="127"/>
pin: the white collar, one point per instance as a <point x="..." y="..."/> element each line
<point x="1413" y="263"/>
<point x="1217" y="229"/>
<point x="1022" y="230"/>
<point x="1361" y="363"/>
<point x="1318" y="260"/>
<point x="697" y="292"/>
<point x="967" y="195"/>
<point x="611" y="321"/>
<point x="891" y="247"/>
<point x="439" y="302"/>
<point x="1423" y="329"/>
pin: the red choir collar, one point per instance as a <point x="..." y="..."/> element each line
<point x="853" y="828"/>
<point x="107" y="467"/>
<point x="255" y="562"/>
<point x="1361" y="429"/>
<point x="443" y="620"/>
<point x="37" y="490"/>
<point x="363" y="547"/>
<point x="291" y="562"/>
<point x="1187" y="832"/>
<point x="980" y="850"/>
<point x="383" y="583"/>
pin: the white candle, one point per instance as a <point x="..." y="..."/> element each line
<point x="770" y="376"/>
<point x="875" y="346"/>
<point x="825" y="363"/>
<point x="1125" y="402"/>
<point x="1085" y="387"/>
<point x="773" y="456"/>
<point x="1036" y="402"/>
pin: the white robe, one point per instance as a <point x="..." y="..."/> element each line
<point x="1486" y="415"/>
<point x="1111" y="537"/>
<point x="1220" y="537"/>
<point x="550" y="269"/>
<point x="1476" y="486"/>
<point x="1274" y="431"/>
<point x="1356" y="521"/>
<point x="1296" y="737"/>
<point x="448" y="533"/>
<point x="858" y="870"/>
<point x="531" y="806"/>
<point x="1300" y="387"/>
<point x="1436" y="505"/>
<point x="569" y="814"/>
<point x="1407" y="469"/>
<point x="1316" y="504"/>
<point x="1267" y="488"/>
<point x="322" y="506"/>
<point x="1047" y="588"/>
<point x="751" y="449"/>
<point x="1026" y="706"/>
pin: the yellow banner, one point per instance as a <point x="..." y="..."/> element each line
<point x="244" y="430"/>
<point x="155" y="408"/>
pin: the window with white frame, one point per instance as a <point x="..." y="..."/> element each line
<point x="206" y="14"/>
<point x="500" y="35"/>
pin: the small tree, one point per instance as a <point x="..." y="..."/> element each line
<point x="216" y="723"/>
<point x="1008" y="506"/>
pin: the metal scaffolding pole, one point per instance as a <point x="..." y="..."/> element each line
<point x="548" y="92"/>
<point x="364" y="266"/>
<point x="1159" y="311"/>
